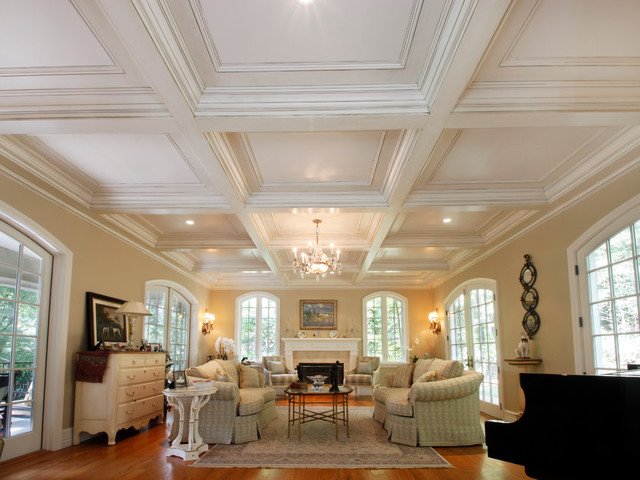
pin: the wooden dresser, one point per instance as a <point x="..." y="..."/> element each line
<point x="130" y="395"/>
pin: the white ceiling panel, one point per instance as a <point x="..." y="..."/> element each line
<point x="219" y="224"/>
<point x="316" y="158"/>
<point x="44" y="35"/>
<point x="510" y="154"/>
<point x="123" y="159"/>
<point x="430" y="221"/>
<point x="323" y="34"/>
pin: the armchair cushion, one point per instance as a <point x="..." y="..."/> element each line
<point x="230" y="368"/>
<point x="276" y="367"/>
<point x="365" y="368"/>
<point x="430" y="376"/>
<point x="210" y="370"/>
<point x="446" y="368"/>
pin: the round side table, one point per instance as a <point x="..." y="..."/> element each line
<point x="193" y="399"/>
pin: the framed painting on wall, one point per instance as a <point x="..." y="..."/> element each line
<point x="103" y="323"/>
<point x="318" y="314"/>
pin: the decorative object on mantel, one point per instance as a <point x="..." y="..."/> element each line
<point x="131" y="310"/>
<point x="529" y="298"/>
<point x="224" y="347"/>
<point x="522" y="350"/>
<point x="314" y="261"/>
<point x="207" y="324"/>
<point x="434" y="322"/>
<point x="318" y="314"/>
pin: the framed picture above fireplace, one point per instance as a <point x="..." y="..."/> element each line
<point x="318" y="314"/>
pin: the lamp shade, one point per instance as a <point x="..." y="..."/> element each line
<point x="133" y="308"/>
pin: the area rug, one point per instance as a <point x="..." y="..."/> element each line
<point x="367" y="447"/>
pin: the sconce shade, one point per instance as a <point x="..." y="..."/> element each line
<point x="434" y="322"/>
<point x="207" y="325"/>
<point x="133" y="308"/>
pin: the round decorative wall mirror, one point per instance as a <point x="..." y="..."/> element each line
<point x="529" y="298"/>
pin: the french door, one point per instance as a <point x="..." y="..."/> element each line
<point x="472" y="338"/>
<point x="25" y="281"/>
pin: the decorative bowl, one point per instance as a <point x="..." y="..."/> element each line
<point x="318" y="381"/>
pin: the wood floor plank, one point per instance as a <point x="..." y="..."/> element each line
<point x="141" y="455"/>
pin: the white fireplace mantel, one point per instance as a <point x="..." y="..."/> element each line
<point x="292" y="345"/>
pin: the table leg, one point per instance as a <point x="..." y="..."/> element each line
<point x="346" y="411"/>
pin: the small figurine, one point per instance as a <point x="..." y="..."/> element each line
<point x="522" y="350"/>
<point x="333" y="377"/>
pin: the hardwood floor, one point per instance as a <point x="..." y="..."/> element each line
<point x="141" y="455"/>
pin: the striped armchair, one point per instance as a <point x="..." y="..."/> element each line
<point x="366" y="374"/>
<point x="279" y="376"/>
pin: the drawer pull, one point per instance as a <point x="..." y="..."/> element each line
<point x="128" y="412"/>
<point x="129" y="394"/>
<point x="131" y="377"/>
<point x="156" y="374"/>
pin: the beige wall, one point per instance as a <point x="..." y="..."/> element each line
<point x="547" y="244"/>
<point x="222" y="303"/>
<point x="101" y="264"/>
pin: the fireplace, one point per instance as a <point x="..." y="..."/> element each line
<point x="307" y="369"/>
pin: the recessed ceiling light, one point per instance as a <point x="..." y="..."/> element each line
<point x="446" y="220"/>
<point x="305" y="2"/>
<point x="189" y="222"/>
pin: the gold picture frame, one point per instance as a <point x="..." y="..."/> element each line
<point x="318" y="314"/>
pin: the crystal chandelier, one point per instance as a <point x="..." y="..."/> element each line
<point x="314" y="261"/>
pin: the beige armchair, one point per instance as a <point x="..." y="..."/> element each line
<point x="366" y="374"/>
<point x="279" y="376"/>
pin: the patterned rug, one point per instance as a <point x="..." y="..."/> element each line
<point x="367" y="447"/>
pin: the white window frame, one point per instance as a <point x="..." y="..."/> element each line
<point x="239" y="302"/>
<point x="192" y="328"/>
<point x="599" y="232"/>
<point x="405" y="326"/>
<point x="463" y="289"/>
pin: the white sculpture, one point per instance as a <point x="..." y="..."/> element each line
<point x="522" y="350"/>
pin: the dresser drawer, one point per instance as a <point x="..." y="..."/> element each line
<point x="136" y="392"/>
<point x="132" y="361"/>
<point x="140" y="375"/>
<point x="139" y="408"/>
<point x="155" y="360"/>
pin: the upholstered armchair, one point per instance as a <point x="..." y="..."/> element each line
<point x="366" y="374"/>
<point x="279" y="376"/>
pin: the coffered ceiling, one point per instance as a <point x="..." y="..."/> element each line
<point x="380" y="117"/>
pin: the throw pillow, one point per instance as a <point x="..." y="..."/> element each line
<point x="402" y="376"/>
<point x="230" y="368"/>
<point x="248" y="377"/>
<point x="447" y="368"/>
<point x="365" y="368"/>
<point x="276" y="367"/>
<point x="210" y="370"/>
<point x="427" y="377"/>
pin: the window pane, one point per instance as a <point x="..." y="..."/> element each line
<point x="179" y="330"/>
<point x="395" y="347"/>
<point x="599" y="285"/>
<point x="248" y="328"/>
<point x="154" y="324"/>
<point x="627" y="315"/>
<point x="7" y="314"/>
<point x="620" y="246"/>
<point x="624" y="282"/>
<point x="23" y="385"/>
<point x="598" y="258"/>
<point x="26" y="350"/>
<point x="6" y="350"/>
<point x="8" y="282"/>
<point x="629" y="349"/>
<point x="9" y="249"/>
<point x="601" y="321"/>
<point x="27" y="319"/>
<point x="268" y="328"/>
<point x="374" y="327"/>
<point x="604" y="351"/>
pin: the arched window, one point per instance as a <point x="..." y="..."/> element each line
<point x="472" y="336"/>
<point x="611" y="298"/>
<point x="257" y="325"/>
<point x="385" y="326"/>
<point x="170" y="321"/>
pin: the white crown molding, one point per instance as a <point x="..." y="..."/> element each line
<point x="451" y="28"/>
<point x="157" y="19"/>
<point x="203" y="241"/>
<point x="312" y="100"/>
<point x="263" y="200"/>
<point x="128" y="224"/>
<point x="219" y="143"/>
<point x="503" y="223"/>
<point x="37" y="165"/>
<point x="399" y="159"/>
<point x="551" y="95"/>
<point x="157" y="199"/>
<point x="476" y="195"/>
<point x="433" y="240"/>
<point x="618" y="145"/>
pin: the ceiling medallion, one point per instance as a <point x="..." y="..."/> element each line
<point x="314" y="261"/>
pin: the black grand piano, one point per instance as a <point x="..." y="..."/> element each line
<point x="573" y="426"/>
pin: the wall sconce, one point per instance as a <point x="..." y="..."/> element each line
<point x="434" y="322"/>
<point x="207" y="325"/>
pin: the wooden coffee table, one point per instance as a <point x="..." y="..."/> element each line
<point x="336" y="403"/>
